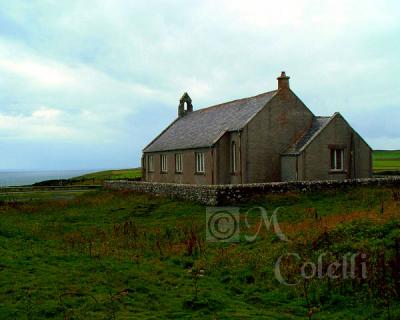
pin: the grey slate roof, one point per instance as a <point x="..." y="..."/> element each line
<point x="317" y="125"/>
<point x="203" y="127"/>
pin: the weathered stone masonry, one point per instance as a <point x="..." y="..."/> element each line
<point x="228" y="194"/>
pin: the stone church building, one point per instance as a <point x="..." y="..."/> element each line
<point x="269" y="137"/>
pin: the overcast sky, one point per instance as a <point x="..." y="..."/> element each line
<point x="87" y="84"/>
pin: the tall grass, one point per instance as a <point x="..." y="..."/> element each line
<point x="111" y="255"/>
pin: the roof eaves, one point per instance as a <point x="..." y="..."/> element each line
<point x="180" y="149"/>
<point x="318" y="132"/>
<point x="219" y="137"/>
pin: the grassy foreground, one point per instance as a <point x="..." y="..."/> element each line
<point x="108" y="255"/>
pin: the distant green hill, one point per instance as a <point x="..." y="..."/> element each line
<point x="99" y="177"/>
<point x="386" y="161"/>
<point x="95" y="178"/>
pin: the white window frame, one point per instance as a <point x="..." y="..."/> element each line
<point x="334" y="152"/>
<point x="233" y="157"/>
<point x="150" y="163"/>
<point x="164" y="163"/>
<point x="178" y="162"/>
<point x="200" y="165"/>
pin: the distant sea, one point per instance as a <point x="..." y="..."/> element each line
<point x="20" y="178"/>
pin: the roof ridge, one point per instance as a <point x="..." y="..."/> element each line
<point x="202" y="127"/>
<point x="236" y="100"/>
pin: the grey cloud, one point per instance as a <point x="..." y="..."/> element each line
<point x="130" y="61"/>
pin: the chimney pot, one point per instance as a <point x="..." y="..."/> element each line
<point x="283" y="81"/>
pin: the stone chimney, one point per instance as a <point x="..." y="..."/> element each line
<point x="283" y="81"/>
<point x="189" y="107"/>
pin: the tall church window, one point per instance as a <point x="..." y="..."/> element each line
<point x="233" y="157"/>
<point x="178" y="163"/>
<point x="337" y="159"/>
<point x="164" y="163"/>
<point x="150" y="163"/>
<point x="200" y="166"/>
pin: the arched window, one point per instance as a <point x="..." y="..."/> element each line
<point x="233" y="157"/>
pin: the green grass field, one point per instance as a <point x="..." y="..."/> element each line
<point x="96" y="178"/>
<point x="110" y="255"/>
<point x="40" y="195"/>
<point x="112" y="175"/>
<point x="386" y="161"/>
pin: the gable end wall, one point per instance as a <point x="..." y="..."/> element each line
<point x="277" y="126"/>
<point x="314" y="162"/>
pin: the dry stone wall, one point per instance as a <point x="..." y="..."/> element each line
<point x="229" y="194"/>
<point x="199" y="193"/>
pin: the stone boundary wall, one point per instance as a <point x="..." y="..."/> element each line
<point x="229" y="194"/>
<point x="199" y="193"/>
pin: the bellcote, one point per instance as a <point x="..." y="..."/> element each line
<point x="185" y="101"/>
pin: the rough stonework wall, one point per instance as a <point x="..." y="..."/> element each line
<point x="188" y="176"/>
<point x="206" y="194"/>
<point x="230" y="194"/>
<point x="314" y="162"/>
<point x="222" y="160"/>
<point x="276" y="127"/>
<point x="222" y="156"/>
<point x="288" y="168"/>
<point x="363" y="158"/>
